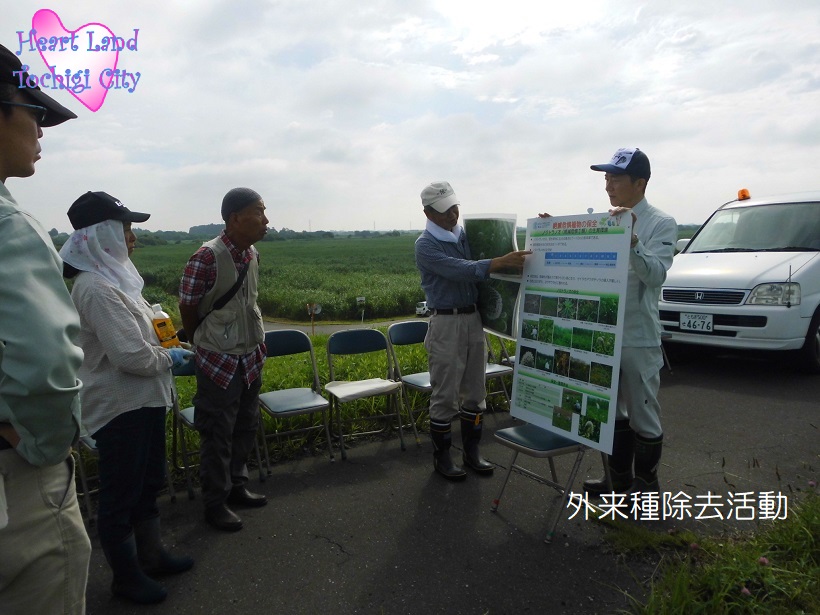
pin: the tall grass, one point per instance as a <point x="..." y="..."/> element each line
<point x="331" y="272"/>
<point x="774" y="569"/>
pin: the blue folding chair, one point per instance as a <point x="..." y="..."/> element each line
<point x="362" y="342"/>
<point x="409" y="333"/>
<point x="296" y="401"/>
<point x="541" y="444"/>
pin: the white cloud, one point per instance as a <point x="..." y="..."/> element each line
<point x="339" y="113"/>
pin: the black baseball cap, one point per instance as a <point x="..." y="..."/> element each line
<point x="626" y="161"/>
<point x="10" y="64"/>
<point x="95" y="207"/>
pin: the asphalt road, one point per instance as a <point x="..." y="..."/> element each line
<point x="382" y="534"/>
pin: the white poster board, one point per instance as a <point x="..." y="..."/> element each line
<point x="570" y="329"/>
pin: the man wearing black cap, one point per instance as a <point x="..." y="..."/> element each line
<point x="44" y="549"/>
<point x="217" y="302"/>
<point x="638" y="438"/>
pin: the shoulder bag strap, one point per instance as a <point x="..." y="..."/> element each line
<point x="223" y="300"/>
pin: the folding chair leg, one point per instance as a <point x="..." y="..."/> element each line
<point x="341" y="429"/>
<point x="394" y="407"/>
<point x="559" y="508"/>
<point x="184" y="454"/>
<point x="506" y="396"/>
<point x="406" y="399"/>
<point x="491" y="411"/>
<point x="396" y="401"/>
<point x="171" y="491"/>
<point x="258" y="455"/>
<point x="264" y="443"/>
<point x="174" y="443"/>
<point x="506" y="390"/>
<point x="84" y="483"/>
<point x="553" y="473"/>
<point x="497" y="500"/>
<point x="326" y="421"/>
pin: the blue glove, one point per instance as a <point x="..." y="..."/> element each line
<point x="179" y="357"/>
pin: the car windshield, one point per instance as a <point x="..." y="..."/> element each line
<point x="761" y="228"/>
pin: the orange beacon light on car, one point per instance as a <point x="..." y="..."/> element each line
<point x="743" y="194"/>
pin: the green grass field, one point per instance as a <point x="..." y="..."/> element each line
<point x="330" y="272"/>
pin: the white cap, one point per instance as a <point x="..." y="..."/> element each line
<point x="439" y="196"/>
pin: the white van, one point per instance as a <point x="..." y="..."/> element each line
<point x="422" y="309"/>
<point x="750" y="278"/>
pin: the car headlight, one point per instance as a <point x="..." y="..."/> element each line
<point x="787" y="293"/>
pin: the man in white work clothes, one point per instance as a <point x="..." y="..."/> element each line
<point x="638" y="437"/>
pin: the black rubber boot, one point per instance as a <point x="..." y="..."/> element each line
<point x="130" y="581"/>
<point x="620" y="462"/>
<point x="471" y="428"/>
<point x="154" y="558"/>
<point x="442" y="462"/>
<point x="647" y="459"/>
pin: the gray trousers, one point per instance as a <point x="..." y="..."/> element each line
<point x="227" y="421"/>
<point x="457" y="360"/>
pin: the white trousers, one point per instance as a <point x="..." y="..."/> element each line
<point x="640" y="380"/>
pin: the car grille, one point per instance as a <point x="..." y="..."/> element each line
<point x="703" y="297"/>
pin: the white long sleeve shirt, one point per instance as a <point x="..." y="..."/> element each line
<point x="649" y="261"/>
<point x="125" y="368"/>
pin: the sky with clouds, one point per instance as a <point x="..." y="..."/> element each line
<point x="338" y="112"/>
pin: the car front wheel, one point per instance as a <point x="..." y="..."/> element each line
<point x="810" y="353"/>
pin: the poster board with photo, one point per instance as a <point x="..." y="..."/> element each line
<point x="570" y="326"/>
<point x="490" y="236"/>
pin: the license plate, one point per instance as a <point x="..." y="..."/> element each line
<point x="696" y="322"/>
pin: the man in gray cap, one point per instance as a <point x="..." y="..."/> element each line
<point x="44" y="549"/>
<point x="217" y="302"/>
<point x="455" y="341"/>
<point x="638" y="438"/>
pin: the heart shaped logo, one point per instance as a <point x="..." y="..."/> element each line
<point x="85" y="72"/>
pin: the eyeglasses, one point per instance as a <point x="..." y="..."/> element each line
<point x="39" y="112"/>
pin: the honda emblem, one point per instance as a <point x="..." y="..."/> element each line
<point x="698" y="296"/>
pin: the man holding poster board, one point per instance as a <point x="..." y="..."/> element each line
<point x="589" y="351"/>
<point x="455" y="343"/>
<point x="638" y="436"/>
